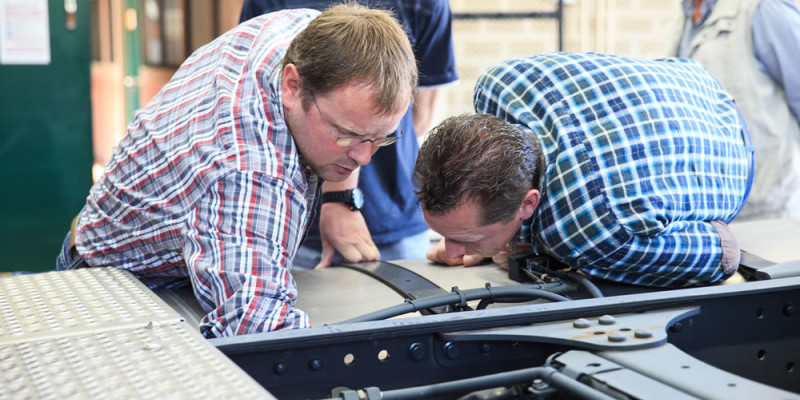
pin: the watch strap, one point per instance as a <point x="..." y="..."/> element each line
<point x="343" y="196"/>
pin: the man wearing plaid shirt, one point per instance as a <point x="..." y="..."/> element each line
<point x="216" y="179"/>
<point x="625" y="169"/>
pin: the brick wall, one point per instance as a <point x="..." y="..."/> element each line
<point x="625" y="27"/>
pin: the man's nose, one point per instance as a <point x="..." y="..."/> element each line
<point x="362" y="152"/>
<point x="454" y="249"/>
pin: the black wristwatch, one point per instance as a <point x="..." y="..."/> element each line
<point x="352" y="198"/>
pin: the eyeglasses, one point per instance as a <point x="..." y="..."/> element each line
<point x="348" y="142"/>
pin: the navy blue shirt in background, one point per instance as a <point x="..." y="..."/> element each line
<point x="390" y="208"/>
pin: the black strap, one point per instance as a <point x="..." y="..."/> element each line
<point x="405" y="282"/>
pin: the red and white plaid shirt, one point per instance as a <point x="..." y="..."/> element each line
<point x="209" y="185"/>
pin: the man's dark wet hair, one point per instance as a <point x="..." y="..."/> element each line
<point x="478" y="158"/>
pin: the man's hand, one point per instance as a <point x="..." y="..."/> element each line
<point x="344" y="231"/>
<point x="501" y="259"/>
<point x="437" y="254"/>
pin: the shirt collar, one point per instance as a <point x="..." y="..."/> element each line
<point x="705" y="9"/>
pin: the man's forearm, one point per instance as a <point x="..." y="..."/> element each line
<point x="424" y="109"/>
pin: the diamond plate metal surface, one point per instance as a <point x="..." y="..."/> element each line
<point x="99" y="333"/>
<point x="60" y="303"/>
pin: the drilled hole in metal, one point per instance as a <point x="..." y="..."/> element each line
<point x="349" y="359"/>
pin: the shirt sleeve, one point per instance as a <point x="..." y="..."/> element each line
<point x="434" y="45"/>
<point x="236" y="250"/>
<point x="776" y="43"/>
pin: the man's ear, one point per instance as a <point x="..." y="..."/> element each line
<point x="291" y="85"/>
<point x="529" y="204"/>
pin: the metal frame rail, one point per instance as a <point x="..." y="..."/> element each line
<point x="721" y="342"/>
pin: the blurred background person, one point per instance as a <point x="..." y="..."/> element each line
<point x="389" y="217"/>
<point x="752" y="48"/>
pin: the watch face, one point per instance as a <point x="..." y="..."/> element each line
<point x="358" y="199"/>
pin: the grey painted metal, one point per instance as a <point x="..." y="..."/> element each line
<point x="335" y="294"/>
<point x="405" y="282"/>
<point x="459" y="300"/>
<point x="320" y="292"/>
<point x="771" y="239"/>
<point x="182" y="300"/>
<point x="550" y="376"/>
<point x="465" y="278"/>
<point x="611" y="377"/>
<point x="726" y="334"/>
<point x="98" y="333"/>
<point x="781" y="270"/>
<point x="672" y="366"/>
<point x="606" y="332"/>
<point x="504" y="316"/>
<point x="55" y="304"/>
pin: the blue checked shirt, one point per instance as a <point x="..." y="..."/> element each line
<point x="640" y="155"/>
<point x="208" y="185"/>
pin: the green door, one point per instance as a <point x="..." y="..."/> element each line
<point x="45" y="143"/>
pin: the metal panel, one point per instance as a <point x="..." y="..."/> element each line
<point x="55" y="304"/>
<point x="690" y="375"/>
<point x="733" y="321"/>
<point x="99" y="333"/>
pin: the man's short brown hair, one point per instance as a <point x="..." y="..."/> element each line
<point x="478" y="158"/>
<point x="349" y="43"/>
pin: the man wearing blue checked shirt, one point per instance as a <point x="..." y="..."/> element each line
<point x="625" y="169"/>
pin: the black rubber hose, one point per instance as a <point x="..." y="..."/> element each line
<point x="411" y="306"/>
<point x="587" y="284"/>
